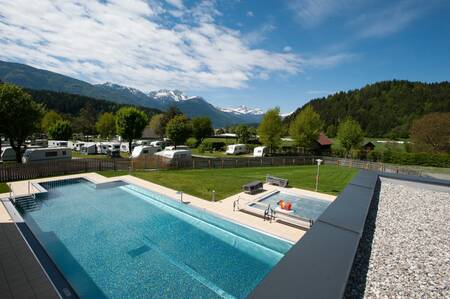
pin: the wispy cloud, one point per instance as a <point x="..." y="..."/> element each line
<point x="390" y="19"/>
<point x="127" y="43"/>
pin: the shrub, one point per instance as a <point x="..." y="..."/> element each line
<point x="192" y="142"/>
<point x="205" y="146"/>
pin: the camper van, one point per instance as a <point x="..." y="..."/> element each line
<point x="143" y="142"/>
<point x="124" y="146"/>
<point x="8" y="154"/>
<point x="48" y="153"/>
<point x="88" y="148"/>
<point x="260" y="151"/>
<point x="143" y="150"/>
<point x="236" y="149"/>
<point x="175" y="154"/>
<point x="58" y="143"/>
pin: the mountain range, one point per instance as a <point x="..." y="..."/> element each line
<point x="38" y="79"/>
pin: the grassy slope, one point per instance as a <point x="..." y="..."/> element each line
<point x="226" y="182"/>
<point x="4" y="188"/>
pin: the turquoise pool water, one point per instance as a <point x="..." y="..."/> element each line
<point x="122" y="241"/>
<point x="307" y="208"/>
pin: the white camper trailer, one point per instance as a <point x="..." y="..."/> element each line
<point x="235" y="149"/>
<point x="58" y="143"/>
<point x="108" y="147"/>
<point x="8" y="154"/>
<point x="88" y="148"/>
<point x="48" y="153"/>
<point x="260" y="151"/>
<point x="143" y="150"/>
<point x="143" y="142"/>
<point x="175" y="154"/>
<point x="124" y="146"/>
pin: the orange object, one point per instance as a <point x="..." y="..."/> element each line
<point x="288" y="206"/>
<point x="282" y="204"/>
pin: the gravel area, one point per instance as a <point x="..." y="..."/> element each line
<point x="405" y="249"/>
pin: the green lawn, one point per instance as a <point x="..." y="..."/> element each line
<point x="218" y="154"/>
<point x="4" y="188"/>
<point x="229" y="181"/>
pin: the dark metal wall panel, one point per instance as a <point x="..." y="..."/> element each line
<point x="316" y="267"/>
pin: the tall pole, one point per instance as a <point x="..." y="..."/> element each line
<point x="317" y="176"/>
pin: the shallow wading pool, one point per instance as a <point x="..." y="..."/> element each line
<point x="122" y="241"/>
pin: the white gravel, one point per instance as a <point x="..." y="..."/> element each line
<point x="410" y="250"/>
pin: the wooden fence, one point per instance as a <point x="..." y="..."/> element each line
<point x="15" y="172"/>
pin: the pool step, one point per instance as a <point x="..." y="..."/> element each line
<point x="27" y="204"/>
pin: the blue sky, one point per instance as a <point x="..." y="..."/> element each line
<point x="254" y="53"/>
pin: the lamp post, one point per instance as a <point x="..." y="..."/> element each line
<point x="319" y="161"/>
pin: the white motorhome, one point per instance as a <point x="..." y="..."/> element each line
<point x="143" y="142"/>
<point x="235" y="149"/>
<point x="88" y="148"/>
<point x="260" y="151"/>
<point x="48" y="153"/>
<point x="8" y="154"/>
<point x="143" y="150"/>
<point x="175" y="154"/>
<point x="58" y="143"/>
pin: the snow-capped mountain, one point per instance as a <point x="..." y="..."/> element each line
<point x="33" y="78"/>
<point x="283" y="115"/>
<point x="242" y="110"/>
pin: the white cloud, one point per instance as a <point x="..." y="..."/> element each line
<point x="176" y="3"/>
<point x="127" y="44"/>
<point x="249" y="14"/>
<point x="287" y="49"/>
<point x="310" y="13"/>
<point x="389" y="20"/>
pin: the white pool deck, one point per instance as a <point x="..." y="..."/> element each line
<point x="223" y="208"/>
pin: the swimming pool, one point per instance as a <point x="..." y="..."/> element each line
<point x="303" y="207"/>
<point x="123" y="241"/>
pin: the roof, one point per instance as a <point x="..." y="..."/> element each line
<point x="323" y="140"/>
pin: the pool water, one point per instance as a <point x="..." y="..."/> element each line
<point x="307" y="208"/>
<point x="122" y="241"/>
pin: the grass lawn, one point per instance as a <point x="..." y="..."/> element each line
<point x="218" y="154"/>
<point x="229" y="181"/>
<point x="4" y="188"/>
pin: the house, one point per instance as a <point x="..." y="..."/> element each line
<point x="369" y="146"/>
<point x="323" y="143"/>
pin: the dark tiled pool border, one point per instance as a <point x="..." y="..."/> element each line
<point x="319" y="265"/>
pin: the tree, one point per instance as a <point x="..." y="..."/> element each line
<point x="306" y="127"/>
<point x="350" y="134"/>
<point x="178" y="129"/>
<point x="85" y="122"/>
<point x="201" y="128"/>
<point x="20" y="116"/>
<point x="130" y="123"/>
<point x="243" y="133"/>
<point x="61" y="130"/>
<point x="158" y="125"/>
<point x="270" y="129"/>
<point x="106" y="125"/>
<point x="431" y="133"/>
<point x="331" y="131"/>
<point x="50" y="118"/>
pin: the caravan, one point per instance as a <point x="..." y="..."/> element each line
<point x="235" y="149"/>
<point x="8" y="154"/>
<point x="58" y="143"/>
<point x="143" y="151"/>
<point x="181" y="154"/>
<point x="260" y="151"/>
<point x="49" y="153"/>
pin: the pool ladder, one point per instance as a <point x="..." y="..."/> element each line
<point x="269" y="214"/>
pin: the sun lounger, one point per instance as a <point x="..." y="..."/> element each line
<point x="253" y="187"/>
<point x="277" y="181"/>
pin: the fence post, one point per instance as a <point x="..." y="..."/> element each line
<point x="236" y="163"/>
<point x="222" y="163"/>
<point x="193" y="163"/>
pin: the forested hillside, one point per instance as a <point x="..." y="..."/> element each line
<point x="71" y="104"/>
<point x="385" y="108"/>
